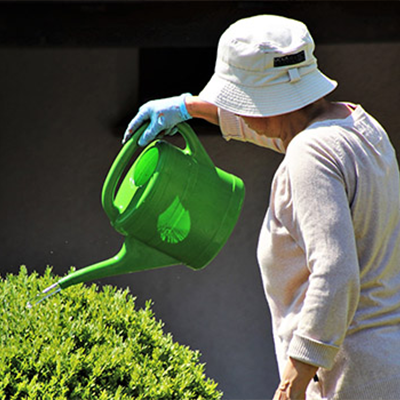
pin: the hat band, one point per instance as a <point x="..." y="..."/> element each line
<point x="258" y="79"/>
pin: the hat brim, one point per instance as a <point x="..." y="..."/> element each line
<point x="266" y="101"/>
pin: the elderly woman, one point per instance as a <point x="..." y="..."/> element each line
<point x="329" y="248"/>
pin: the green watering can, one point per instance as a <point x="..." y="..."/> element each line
<point x="173" y="206"/>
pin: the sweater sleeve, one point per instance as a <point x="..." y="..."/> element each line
<point x="322" y="226"/>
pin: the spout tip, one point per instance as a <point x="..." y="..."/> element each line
<point x="49" y="291"/>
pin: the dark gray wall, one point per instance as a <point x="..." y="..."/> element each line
<point x="62" y="117"/>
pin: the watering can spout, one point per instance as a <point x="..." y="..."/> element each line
<point x="134" y="256"/>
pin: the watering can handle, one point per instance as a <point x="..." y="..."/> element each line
<point x="115" y="172"/>
<point x="193" y="148"/>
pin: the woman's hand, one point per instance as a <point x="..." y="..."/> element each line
<point x="163" y="115"/>
<point x="295" y="379"/>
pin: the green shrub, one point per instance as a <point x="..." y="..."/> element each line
<point x="87" y="343"/>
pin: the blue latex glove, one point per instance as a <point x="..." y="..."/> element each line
<point x="163" y="114"/>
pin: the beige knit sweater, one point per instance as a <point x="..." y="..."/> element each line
<point x="329" y="255"/>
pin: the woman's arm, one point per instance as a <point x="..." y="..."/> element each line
<point x="198" y="108"/>
<point x="321" y="223"/>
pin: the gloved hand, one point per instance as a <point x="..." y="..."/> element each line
<point x="163" y="114"/>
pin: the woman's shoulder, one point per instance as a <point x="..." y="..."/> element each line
<point x="323" y="139"/>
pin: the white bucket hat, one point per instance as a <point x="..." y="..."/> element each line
<point x="265" y="66"/>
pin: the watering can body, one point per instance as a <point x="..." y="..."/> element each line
<point x="173" y="206"/>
